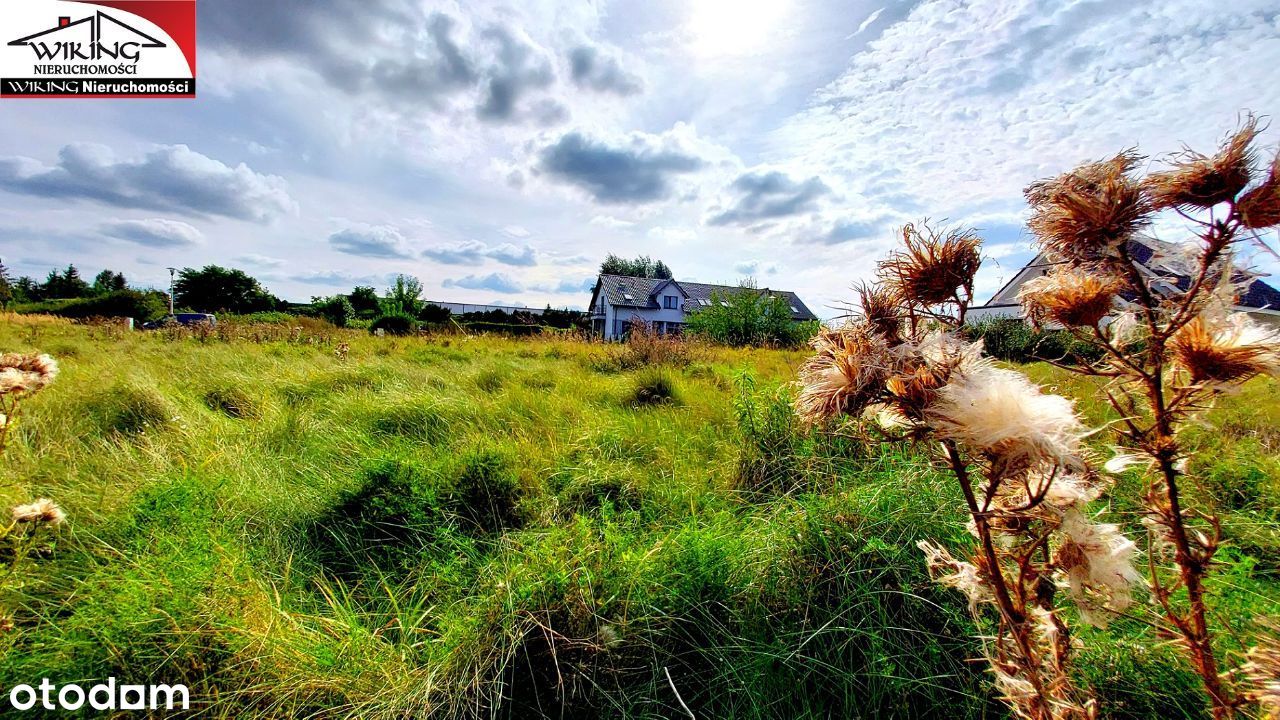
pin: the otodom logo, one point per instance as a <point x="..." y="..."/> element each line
<point x="107" y="48"/>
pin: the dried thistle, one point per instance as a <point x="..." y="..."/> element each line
<point x="1167" y="354"/>
<point x="933" y="267"/>
<point x="1069" y="297"/>
<point x="845" y="374"/>
<point x="1260" y="207"/>
<point x="1014" y="451"/>
<point x="880" y="310"/>
<point x="1262" y="673"/>
<point x="1088" y="214"/>
<point x="26" y="373"/>
<point x="1226" y="348"/>
<point x="1005" y="416"/>
<point x="42" y="511"/>
<point x="1098" y="561"/>
<point x="1202" y="181"/>
<point x="956" y="574"/>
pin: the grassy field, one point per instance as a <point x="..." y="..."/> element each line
<point x="480" y="527"/>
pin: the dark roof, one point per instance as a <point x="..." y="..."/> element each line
<point x="615" y="289"/>
<point x="1258" y="294"/>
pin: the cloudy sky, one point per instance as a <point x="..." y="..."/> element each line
<point x="498" y="152"/>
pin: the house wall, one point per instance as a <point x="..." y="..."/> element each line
<point x="630" y="314"/>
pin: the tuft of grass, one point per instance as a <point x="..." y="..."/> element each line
<point x="128" y="408"/>
<point x="417" y="420"/>
<point x="487" y="491"/>
<point x="653" y="386"/>
<point x="234" y="402"/>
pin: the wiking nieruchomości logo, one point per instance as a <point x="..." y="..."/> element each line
<point x="112" y="48"/>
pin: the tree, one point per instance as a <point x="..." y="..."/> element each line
<point x="434" y="314"/>
<point x="404" y="296"/>
<point x="215" y="288"/>
<point x="642" y="266"/>
<point x="67" y="285"/>
<point x="26" y="289"/>
<point x="107" y="282"/>
<point x="748" y="316"/>
<point x="336" y="309"/>
<point x="6" y="286"/>
<point x="364" y="300"/>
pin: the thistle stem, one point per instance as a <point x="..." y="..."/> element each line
<point x="1012" y="617"/>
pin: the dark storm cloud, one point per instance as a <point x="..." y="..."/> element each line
<point x="630" y="173"/>
<point x="762" y="196"/>
<point x="592" y="68"/>
<point x="394" y="51"/>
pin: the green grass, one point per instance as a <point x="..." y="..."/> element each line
<point x="516" y="528"/>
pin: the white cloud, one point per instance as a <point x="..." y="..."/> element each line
<point x="155" y="232"/>
<point x="373" y="241"/>
<point x="474" y="252"/>
<point x="171" y="178"/>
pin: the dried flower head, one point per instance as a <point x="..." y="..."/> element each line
<point x="1262" y="673"/>
<point x="1260" y="207"/>
<point x="924" y="368"/>
<point x="1064" y="489"/>
<point x="845" y="375"/>
<point x="1069" y="296"/>
<point x="1226" y="347"/>
<point x="880" y="310"/>
<point x="957" y="574"/>
<point x="1098" y="562"/>
<point x="43" y="510"/>
<point x="934" y="266"/>
<point x="1088" y="214"/>
<point x="25" y="373"/>
<point x="1202" y="181"/>
<point x="1005" y="416"/>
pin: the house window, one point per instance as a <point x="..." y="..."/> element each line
<point x="670" y="302"/>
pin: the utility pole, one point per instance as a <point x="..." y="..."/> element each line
<point x="171" y="272"/>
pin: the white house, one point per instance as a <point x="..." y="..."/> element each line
<point x="619" y="302"/>
<point x="1260" y="300"/>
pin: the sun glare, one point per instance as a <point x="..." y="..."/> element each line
<point x="734" y="27"/>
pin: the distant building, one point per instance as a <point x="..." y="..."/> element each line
<point x="1259" y="300"/>
<point x="464" y="308"/>
<point x="618" y="303"/>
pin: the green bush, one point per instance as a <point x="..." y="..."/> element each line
<point x="268" y="317"/>
<point x="394" y="323"/>
<point x="136" y="304"/>
<point x="336" y="309"/>
<point x="1013" y="340"/>
<point x="433" y="314"/>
